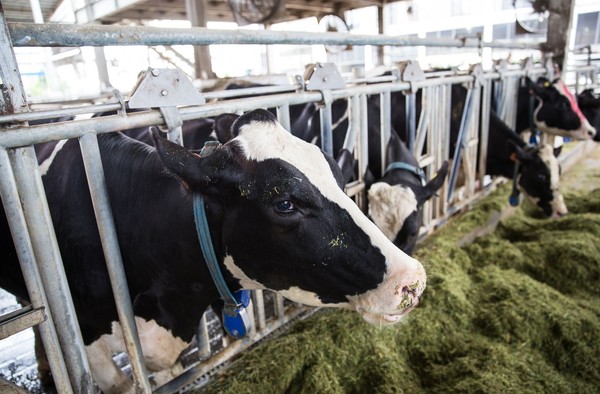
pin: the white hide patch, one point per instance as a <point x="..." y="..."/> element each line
<point x="160" y="348"/>
<point x="308" y="298"/>
<point x="389" y="206"/>
<point x="558" y="203"/>
<point x="245" y="281"/>
<point x="45" y="165"/>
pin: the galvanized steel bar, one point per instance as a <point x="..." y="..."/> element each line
<point x="94" y="171"/>
<point x="461" y="141"/>
<point x="30" y="34"/>
<point x="385" y="119"/>
<point x="203" y="338"/>
<point x="45" y="246"/>
<point x="283" y="115"/>
<point x="485" y="128"/>
<point x="31" y="275"/>
<point x="326" y="128"/>
<point x="12" y="91"/>
<point x="259" y="304"/>
<point x="34" y="115"/>
<point x="19" y="320"/>
<point x="411" y="115"/>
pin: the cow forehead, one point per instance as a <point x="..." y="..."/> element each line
<point x="261" y="141"/>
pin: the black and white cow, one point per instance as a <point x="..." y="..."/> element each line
<point x="396" y="200"/>
<point x="590" y="107"/>
<point x="278" y="220"/>
<point x="538" y="174"/>
<point x="556" y="111"/>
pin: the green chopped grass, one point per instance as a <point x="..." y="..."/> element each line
<point x="516" y="311"/>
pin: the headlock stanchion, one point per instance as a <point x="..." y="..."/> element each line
<point x="29" y="219"/>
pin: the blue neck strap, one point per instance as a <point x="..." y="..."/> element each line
<point x="203" y="231"/>
<point x="398" y="165"/>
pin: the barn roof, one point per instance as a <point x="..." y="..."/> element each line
<point x="114" y="11"/>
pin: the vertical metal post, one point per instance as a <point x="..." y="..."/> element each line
<point x="385" y="114"/>
<point x="326" y="128"/>
<point x="411" y="116"/>
<point x="460" y="144"/>
<point x="33" y="281"/>
<point x="110" y="246"/>
<point x="259" y="305"/>
<point x="203" y="338"/>
<point x="485" y="129"/>
<point x="45" y="246"/>
<point x="283" y="115"/>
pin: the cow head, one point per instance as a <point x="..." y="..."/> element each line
<point x="539" y="179"/>
<point x="590" y="107"/>
<point x="396" y="201"/>
<point x="557" y="111"/>
<point x="280" y="221"/>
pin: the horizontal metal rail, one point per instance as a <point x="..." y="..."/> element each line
<point x="62" y="35"/>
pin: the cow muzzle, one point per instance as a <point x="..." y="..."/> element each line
<point x="394" y="298"/>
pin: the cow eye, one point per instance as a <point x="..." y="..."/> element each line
<point x="285" y="206"/>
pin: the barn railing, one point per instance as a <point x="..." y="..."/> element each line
<point x="24" y="200"/>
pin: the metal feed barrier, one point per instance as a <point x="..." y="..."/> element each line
<point x="27" y="211"/>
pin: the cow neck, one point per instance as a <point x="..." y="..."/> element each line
<point x="206" y="245"/>
<point x="397" y="151"/>
<point x="399" y="165"/>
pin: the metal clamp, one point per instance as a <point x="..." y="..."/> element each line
<point x="322" y="76"/>
<point x="410" y="71"/>
<point x="166" y="89"/>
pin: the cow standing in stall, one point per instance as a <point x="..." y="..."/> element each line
<point x="278" y="219"/>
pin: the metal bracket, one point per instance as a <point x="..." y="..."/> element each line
<point x="123" y="110"/>
<point x="476" y="71"/>
<point x="410" y="71"/>
<point x="322" y="76"/>
<point x="166" y="89"/>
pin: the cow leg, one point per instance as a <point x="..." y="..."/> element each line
<point x="109" y="378"/>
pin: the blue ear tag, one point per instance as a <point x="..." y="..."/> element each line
<point x="513" y="200"/>
<point x="236" y="321"/>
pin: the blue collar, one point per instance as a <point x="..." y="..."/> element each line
<point x="235" y="317"/>
<point x="398" y="165"/>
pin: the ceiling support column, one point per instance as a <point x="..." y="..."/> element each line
<point x="560" y="22"/>
<point x="197" y="13"/>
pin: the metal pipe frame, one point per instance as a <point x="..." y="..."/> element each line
<point x="63" y="35"/>
<point x="31" y="274"/>
<point x="90" y="153"/>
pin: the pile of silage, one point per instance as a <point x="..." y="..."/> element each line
<point x="515" y="311"/>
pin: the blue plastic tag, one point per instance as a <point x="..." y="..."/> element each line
<point x="237" y="323"/>
<point x="513" y="200"/>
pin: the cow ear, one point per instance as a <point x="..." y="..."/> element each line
<point x="436" y="183"/>
<point x="223" y="127"/>
<point x="346" y="162"/>
<point x="178" y="160"/>
<point x="538" y="89"/>
<point x="518" y="154"/>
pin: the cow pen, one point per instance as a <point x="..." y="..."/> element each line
<point x="24" y="200"/>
